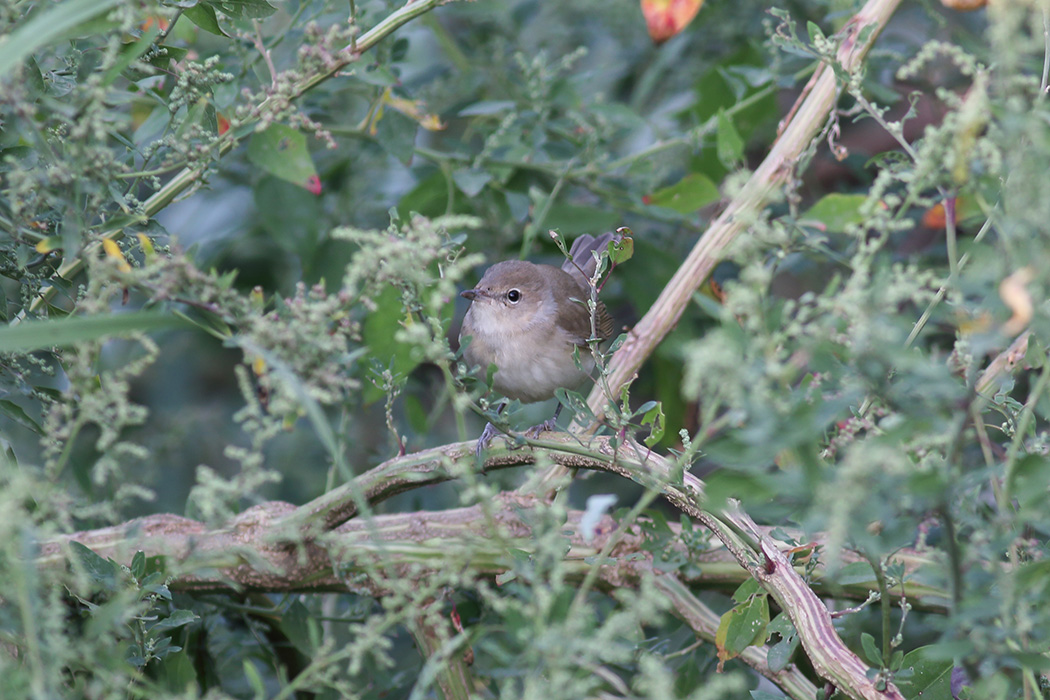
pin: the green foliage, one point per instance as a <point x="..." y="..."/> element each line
<point x="231" y="256"/>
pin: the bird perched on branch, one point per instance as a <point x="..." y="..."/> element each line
<point x="528" y="320"/>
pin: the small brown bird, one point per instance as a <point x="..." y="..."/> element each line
<point x="527" y="319"/>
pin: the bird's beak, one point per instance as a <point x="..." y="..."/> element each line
<point x="469" y="294"/>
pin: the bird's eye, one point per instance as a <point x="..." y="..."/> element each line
<point x="514" y="296"/>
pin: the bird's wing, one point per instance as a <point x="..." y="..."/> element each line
<point x="577" y="323"/>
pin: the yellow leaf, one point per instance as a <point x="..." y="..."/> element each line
<point x="147" y="246"/>
<point x="48" y="244"/>
<point x="414" y="110"/>
<point x="258" y="365"/>
<point x="113" y="251"/>
<point x="971" y="325"/>
<point x="666" y="18"/>
<point x="430" y="122"/>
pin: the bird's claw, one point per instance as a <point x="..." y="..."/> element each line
<point x="492" y="431"/>
<point x="487" y="434"/>
<point x="546" y="426"/>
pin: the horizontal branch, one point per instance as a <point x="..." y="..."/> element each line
<point x="277" y="546"/>
<point x="250" y="555"/>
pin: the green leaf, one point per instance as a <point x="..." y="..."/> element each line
<point x="243" y="9"/>
<point x="199" y="114"/>
<point x="17" y="414"/>
<point x="622" y="250"/>
<point x="925" y="675"/>
<point x="129" y="53"/>
<point x="204" y="17"/>
<point x="378" y="332"/>
<point x="177" y="673"/>
<point x="138" y="565"/>
<point x="728" y="144"/>
<point x="575" y="403"/>
<point x="379" y="76"/>
<point x="1028" y="482"/>
<point x="471" y="181"/>
<point x="176" y="619"/>
<point x="747" y="590"/>
<point x="780" y="653"/>
<point x="655" y="417"/>
<point x="815" y="34"/>
<point x="48" y="27"/>
<point x="281" y="151"/>
<point x="429" y="198"/>
<point x="742" y="626"/>
<point x="691" y="193"/>
<point x="396" y="134"/>
<point x="33" y="79"/>
<point x="291" y="215"/>
<point x="871" y="650"/>
<point x="251" y="674"/>
<point x="295" y="623"/>
<point x="39" y="335"/>
<point x="834" y="212"/>
<point x="102" y="571"/>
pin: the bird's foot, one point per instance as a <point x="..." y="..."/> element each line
<point x="492" y="431"/>
<point x="546" y="426"/>
<point x="487" y="434"/>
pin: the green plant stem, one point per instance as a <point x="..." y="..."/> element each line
<point x="67" y="448"/>
<point x="564" y="168"/>
<point x="453" y="674"/>
<point x="885" y="605"/>
<point x="533" y="229"/>
<point x="896" y="132"/>
<point x="943" y="290"/>
<point x="30" y="633"/>
<point x="694" y="136"/>
<point x="163" y="170"/>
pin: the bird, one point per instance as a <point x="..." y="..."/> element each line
<point x="528" y="320"/>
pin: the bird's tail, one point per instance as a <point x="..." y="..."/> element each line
<point x="581" y="263"/>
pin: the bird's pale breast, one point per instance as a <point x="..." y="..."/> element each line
<point x="532" y="359"/>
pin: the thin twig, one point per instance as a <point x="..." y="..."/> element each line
<point x="260" y="45"/>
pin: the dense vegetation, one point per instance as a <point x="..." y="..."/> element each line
<point x="238" y="454"/>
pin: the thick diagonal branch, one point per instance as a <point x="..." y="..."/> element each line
<point x="807" y="118"/>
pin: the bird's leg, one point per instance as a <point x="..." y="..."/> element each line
<point x="547" y="425"/>
<point x="489" y="432"/>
